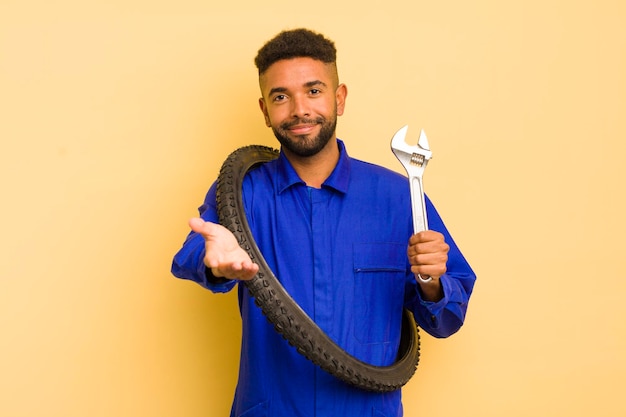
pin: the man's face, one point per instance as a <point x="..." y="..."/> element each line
<point x="301" y="101"/>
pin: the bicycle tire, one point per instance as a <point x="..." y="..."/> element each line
<point x="287" y="317"/>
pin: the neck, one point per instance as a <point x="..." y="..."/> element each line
<point x="314" y="170"/>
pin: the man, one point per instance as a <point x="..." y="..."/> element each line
<point x="337" y="232"/>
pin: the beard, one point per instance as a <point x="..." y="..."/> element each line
<point x="305" y="145"/>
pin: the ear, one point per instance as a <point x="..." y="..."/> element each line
<point x="264" y="111"/>
<point x="340" y="96"/>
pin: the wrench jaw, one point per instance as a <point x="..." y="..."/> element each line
<point x="416" y="155"/>
<point x="422" y="144"/>
<point x="414" y="159"/>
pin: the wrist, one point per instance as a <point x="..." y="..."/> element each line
<point x="431" y="290"/>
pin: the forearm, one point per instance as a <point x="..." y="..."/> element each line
<point x="189" y="264"/>
<point x="431" y="291"/>
<point x="440" y="306"/>
<point x="445" y="316"/>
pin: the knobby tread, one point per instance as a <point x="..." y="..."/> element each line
<point x="284" y="313"/>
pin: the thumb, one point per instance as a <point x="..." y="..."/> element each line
<point x="201" y="227"/>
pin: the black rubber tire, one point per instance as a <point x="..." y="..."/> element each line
<point x="284" y="313"/>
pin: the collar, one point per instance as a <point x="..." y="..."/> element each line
<point x="337" y="180"/>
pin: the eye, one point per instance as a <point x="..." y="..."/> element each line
<point x="315" y="91"/>
<point x="279" y="97"/>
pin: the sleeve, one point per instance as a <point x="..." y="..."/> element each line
<point x="445" y="317"/>
<point x="188" y="262"/>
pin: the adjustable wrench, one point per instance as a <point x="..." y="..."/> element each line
<point x="414" y="159"/>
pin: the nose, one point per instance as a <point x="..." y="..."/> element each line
<point x="300" y="107"/>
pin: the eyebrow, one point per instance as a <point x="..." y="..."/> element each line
<point x="277" y="90"/>
<point x="314" y="83"/>
<point x="308" y="85"/>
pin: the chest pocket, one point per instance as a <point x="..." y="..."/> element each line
<point x="379" y="275"/>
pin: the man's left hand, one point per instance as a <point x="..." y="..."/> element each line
<point x="428" y="255"/>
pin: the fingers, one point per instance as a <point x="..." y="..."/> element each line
<point x="428" y="254"/>
<point x="426" y="236"/>
<point x="427" y="241"/>
<point x="428" y="271"/>
<point x="236" y="270"/>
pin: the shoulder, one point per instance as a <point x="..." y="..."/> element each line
<point x="377" y="172"/>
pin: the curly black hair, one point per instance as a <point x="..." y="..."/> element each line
<point x="294" y="44"/>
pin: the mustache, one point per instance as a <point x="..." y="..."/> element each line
<point x="287" y="125"/>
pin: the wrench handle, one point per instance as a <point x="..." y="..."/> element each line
<point x="418" y="202"/>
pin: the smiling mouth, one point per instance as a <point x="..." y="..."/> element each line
<point x="301" y="129"/>
<point x="302" y="126"/>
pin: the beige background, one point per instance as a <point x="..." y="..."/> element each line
<point x="116" y="115"/>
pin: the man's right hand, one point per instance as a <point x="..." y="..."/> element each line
<point x="223" y="255"/>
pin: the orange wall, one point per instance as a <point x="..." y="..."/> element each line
<point x="115" y="117"/>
